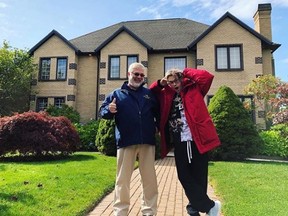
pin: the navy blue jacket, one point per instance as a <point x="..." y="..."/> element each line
<point x="137" y="112"/>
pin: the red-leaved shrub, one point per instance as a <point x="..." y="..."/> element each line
<point x="33" y="133"/>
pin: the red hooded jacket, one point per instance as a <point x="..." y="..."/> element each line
<point x="195" y="85"/>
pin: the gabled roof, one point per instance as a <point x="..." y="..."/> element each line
<point x="121" y="29"/>
<point x="157" y="35"/>
<point x="52" y="33"/>
<point x="265" y="42"/>
<point x="161" y="34"/>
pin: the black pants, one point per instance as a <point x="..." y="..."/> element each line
<point x="193" y="176"/>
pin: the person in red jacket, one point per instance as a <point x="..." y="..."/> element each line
<point x="186" y="125"/>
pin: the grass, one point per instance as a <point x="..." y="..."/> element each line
<point x="70" y="186"/>
<point x="73" y="186"/>
<point x="251" y="188"/>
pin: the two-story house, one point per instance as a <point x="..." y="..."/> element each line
<point x="82" y="71"/>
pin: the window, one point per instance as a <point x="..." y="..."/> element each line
<point x="42" y="104"/>
<point x="130" y="60"/>
<point x="61" y="68"/>
<point x="45" y="69"/>
<point x="114" y="68"/>
<point x="229" y="57"/>
<point x="58" y="101"/>
<point x="174" y="62"/>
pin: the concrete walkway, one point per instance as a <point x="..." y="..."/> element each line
<point x="172" y="200"/>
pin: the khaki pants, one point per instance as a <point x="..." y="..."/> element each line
<point x="126" y="158"/>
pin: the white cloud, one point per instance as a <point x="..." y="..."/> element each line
<point x="182" y="3"/>
<point x="3" y="5"/>
<point x="156" y="10"/>
<point x="283" y="3"/>
<point x="150" y="10"/>
<point x="213" y="8"/>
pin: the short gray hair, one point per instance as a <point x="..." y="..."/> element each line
<point x="136" y="65"/>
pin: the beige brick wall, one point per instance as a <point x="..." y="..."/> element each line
<point x="54" y="48"/>
<point x="86" y="74"/>
<point x="262" y="22"/>
<point x="234" y="34"/>
<point x="87" y="87"/>
<point x="267" y="62"/>
<point x="121" y="45"/>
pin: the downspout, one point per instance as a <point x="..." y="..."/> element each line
<point x="97" y="87"/>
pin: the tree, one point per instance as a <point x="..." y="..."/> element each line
<point x="271" y="95"/>
<point x="237" y="132"/>
<point x="105" y="138"/>
<point x="280" y="104"/>
<point x="65" y="110"/>
<point x="16" y="73"/>
<point x="37" y="134"/>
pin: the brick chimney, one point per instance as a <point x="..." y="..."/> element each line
<point x="262" y="20"/>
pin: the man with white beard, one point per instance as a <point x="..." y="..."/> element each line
<point x="135" y="110"/>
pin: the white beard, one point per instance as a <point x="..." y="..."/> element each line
<point x="135" y="84"/>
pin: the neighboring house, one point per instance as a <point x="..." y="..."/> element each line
<point x="82" y="71"/>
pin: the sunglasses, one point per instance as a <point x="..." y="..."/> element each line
<point x="138" y="74"/>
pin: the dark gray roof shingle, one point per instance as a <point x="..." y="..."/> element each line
<point x="161" y="34"/>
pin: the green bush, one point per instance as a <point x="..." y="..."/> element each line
<point x="37" y="134"/>
<point x="275" y="141"/>
<point x="282" y="128"/>
<point x="87" y="133"/>
<point x="66" y="111"/>
<point x="237" y="132"/>
<point x="105" y="138"/>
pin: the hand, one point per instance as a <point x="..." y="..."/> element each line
<point x="112" y="106"/>
<point x="163" y="81"/>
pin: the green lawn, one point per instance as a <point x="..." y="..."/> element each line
<point x="63" y="187"/>
<point x="251" y="188"/>
<point x="73" y="186"/>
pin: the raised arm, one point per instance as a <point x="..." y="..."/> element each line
<point x="202" y="77"/>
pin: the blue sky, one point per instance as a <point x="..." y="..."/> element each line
<point x="23" y="23"/>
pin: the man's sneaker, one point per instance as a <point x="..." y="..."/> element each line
<point x="215" y="211"/>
